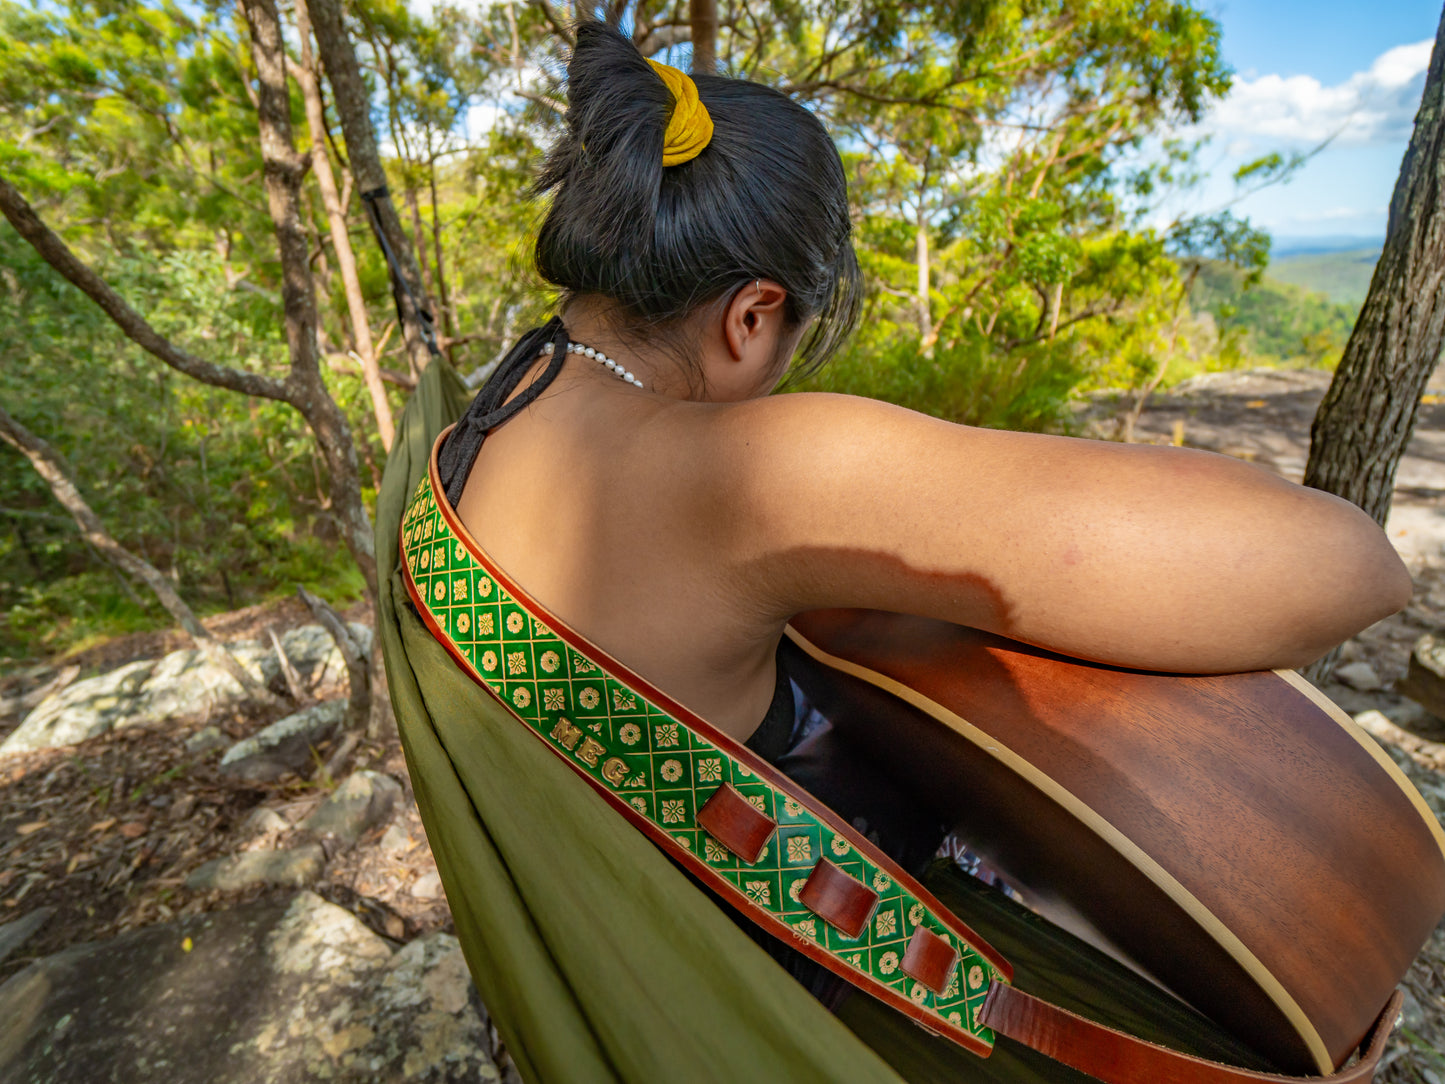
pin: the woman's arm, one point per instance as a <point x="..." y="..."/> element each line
<point x="1161" y="558"/>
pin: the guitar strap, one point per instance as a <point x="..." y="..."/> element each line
<point x="749" y="833"/>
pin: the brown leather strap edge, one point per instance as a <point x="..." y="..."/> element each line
<point x="1115" y="1057"/>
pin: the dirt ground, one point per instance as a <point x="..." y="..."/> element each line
<point x="105" y="832"/>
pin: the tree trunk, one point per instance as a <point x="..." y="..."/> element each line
<point x="1365" y="421"/>
<point x="414" y="206"/>
<point x="925" y="314"/>
<point x="444" y="300"/>
<point x="340" y="240"/>
<point x="353" y="105"/>
<point x="52" y="468"/>
<point x="358" y="709"/>
<point x="702" y="14"/>
<point x="283" y="170"/>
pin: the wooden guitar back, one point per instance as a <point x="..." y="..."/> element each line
<point x="1235" y="836"/>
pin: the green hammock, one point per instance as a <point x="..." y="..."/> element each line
<point x="600" y="961"/>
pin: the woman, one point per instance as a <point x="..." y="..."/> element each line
<point x="700" y="513"/>
<point x="628" y="470"/>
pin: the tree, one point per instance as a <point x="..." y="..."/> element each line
<point x="338" y="55"/>
<point x="303" y="387"/>
<point x="1365" y="420"/>
<point x="51" y="467"/>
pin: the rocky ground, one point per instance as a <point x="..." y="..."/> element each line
<point x="157" y="834"/>
<point x="239" y="881"/>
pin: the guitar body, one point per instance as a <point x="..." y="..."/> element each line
<point x="1236" y="837"/>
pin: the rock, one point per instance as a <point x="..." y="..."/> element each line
<point x="268" y="992"/>
<point x="206" y="739"/>
<point x="365" y="800"/>
<point x="427" y="887"/>
<point x="295" y="867"/>
<point x="264" y="822"/>
<point x="285" y="745"/>
<point x="315" y="655"/>
<point x="1409" y="715"/>
<point x="1380" y="726"/>
<point x="16" y="933"/>
<point x="1424" y="681"/>
<point x="1431" y="785"/>
<point x="1359" y="675"/>
<point x="29" y="688"/>
<point x="186" y="685"/>
<point x="1412" y="1013"/>
<point x="183" y="685"/>
<point x="396" y="840"/>
<point x="83" y="710"/>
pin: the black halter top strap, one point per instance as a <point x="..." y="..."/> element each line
<point x="490" y="408"/>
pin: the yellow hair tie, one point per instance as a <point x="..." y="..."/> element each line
<point x="690" y="128"/>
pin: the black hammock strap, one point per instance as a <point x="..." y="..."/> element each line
<point x="399" y="285"/>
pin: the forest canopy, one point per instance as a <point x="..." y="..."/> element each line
<point x="1007" y="160"/>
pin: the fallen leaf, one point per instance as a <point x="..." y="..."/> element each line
<point x="395" y="927"/>
<point x="1255" y="404"/>
<point x="101" y="826"/>
<point x="186" y="945"/>
<point x="75" y="860"/>
<point x="133" y="829"/>
<point x="33" y="826"/>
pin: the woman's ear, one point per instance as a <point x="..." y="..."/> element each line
<point x="755" y="321"/>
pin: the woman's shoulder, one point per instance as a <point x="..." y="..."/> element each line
<point x="810" y="430"/>
<point x="1105" y="550"/>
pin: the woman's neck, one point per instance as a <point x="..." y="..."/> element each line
<point x="593" y="321"/>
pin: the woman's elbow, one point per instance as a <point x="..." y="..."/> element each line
<point x="1363" y="582"/>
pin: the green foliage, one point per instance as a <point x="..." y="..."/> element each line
<point x="218" y="491"/>
<point x="964" y="381"/>
<point x="1278" y="322"/>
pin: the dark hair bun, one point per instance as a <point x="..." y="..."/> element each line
<point x="766" y="198"/>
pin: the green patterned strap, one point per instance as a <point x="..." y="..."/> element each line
<point x="787" y="860"/>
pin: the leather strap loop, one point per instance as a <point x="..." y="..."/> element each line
<point x="736" y="823"/>
<point x="1116" y="1058"/>
<point x="929" y="959"/>
<point x="840" y="900"/>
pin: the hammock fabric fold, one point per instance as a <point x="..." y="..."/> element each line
<point x="599" y="960"/>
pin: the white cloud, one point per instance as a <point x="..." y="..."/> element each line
<point x="1371" y="107"/>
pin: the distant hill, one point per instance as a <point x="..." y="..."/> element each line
<point x="1286" y="244"/>
<point x="1343" y="275"/>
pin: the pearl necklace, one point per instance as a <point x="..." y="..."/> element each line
<point x="596" y="355"/>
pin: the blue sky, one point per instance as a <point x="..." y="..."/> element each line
<point x="1307" y="70"/>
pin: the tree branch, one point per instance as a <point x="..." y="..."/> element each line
<point x="58" y="255"/>
<point x="49" y="464"/>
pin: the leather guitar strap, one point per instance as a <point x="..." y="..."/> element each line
<point x="1117" y="1058"/>
<point x="749" y="832"/>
